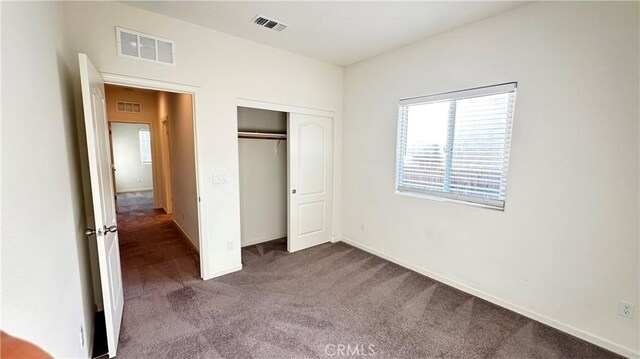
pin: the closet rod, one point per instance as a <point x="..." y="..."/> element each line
<point x="262" y="136"/>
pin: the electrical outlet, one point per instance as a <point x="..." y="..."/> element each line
<point x="362" y="227"/>
<point x="625" y="309"/>
<point x="81" y="336"/>
<point x="230" y="245"/>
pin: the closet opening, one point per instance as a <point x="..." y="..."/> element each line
<point x="262" y="154"/>
<point x="285" y="175"/>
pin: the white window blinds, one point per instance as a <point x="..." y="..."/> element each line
<point x="145" y="146"/>
<point x="456" y="145"/>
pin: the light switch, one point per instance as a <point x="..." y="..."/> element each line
<point x="220" y="178"/>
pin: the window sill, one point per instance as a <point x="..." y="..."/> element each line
<point x="451" y="200"/>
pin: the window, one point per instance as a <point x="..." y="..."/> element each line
<point x="455" y="145"/>
<point x="145" y="146"/>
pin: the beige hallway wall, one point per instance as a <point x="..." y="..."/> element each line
<point x="178" y="108"/>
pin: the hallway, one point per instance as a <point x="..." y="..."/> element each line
<point x="156" y="259"/>
<point x="155" y="254"/>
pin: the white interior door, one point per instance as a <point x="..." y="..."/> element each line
<point x="105" y="230"/>
<point x="310" y="147"/>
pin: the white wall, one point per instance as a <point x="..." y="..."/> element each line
<point x="224" y="69"/>
<point x="263" y="177"/>
<point x="565" y="250"/>
<point x="46" y="286"/>
<point x="179" y="110"/>
<point x="131" y="174"/>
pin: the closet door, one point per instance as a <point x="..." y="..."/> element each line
<point x="310" y="159"/>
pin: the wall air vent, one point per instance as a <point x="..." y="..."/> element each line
<point x="269" y="23"/>
<point x="145" y="47"/>
<point x="132" y="107"/>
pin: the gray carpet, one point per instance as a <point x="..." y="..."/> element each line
<point x="134" y="201"/>
<point x="309" y="304"/>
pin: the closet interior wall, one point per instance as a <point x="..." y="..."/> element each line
<point x="263" y="175"/>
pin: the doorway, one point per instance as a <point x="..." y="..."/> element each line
<point x="158" y="226"/>
<point x="153" y="156"/>
<point x="132" y="166"/>
<point x="152" y="136"/>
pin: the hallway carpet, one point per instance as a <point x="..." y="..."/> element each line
<point x="326" y="301"/>
<point x="135" y="201"/>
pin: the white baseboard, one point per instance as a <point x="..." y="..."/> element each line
<point x="591" y="338"/>
<point x="257" y="241"/>
<point x="185" y="234"/>
<point x="222" y="272"/>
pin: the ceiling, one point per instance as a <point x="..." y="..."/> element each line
<point x="342" y="33"/>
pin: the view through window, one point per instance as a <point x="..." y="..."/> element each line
<point x="456" y="145"/>
<point x="145" y="145"/>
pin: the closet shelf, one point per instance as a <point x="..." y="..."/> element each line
<point x="262" y="135"/>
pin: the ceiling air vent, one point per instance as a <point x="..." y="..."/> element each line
<point x="269" y="23"/>
<point x="145" y="47"/>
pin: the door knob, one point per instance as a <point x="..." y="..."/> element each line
<point x="112" y="229"/>
<point x="294" y="191"/>
<point x="89" y="231"/>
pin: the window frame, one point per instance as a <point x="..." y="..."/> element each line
<point x="401" y="139"/>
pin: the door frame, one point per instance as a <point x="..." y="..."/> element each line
<point x="166" y="163"/>
<point x="148" y="84"/>
<point x="154" y="166"/>
<point x="263" y="105"/>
